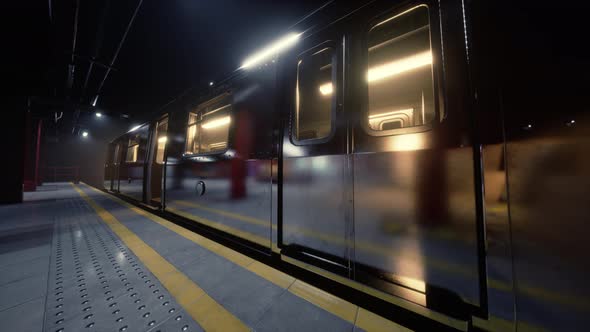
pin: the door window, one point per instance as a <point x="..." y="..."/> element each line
<point x="400" y="79"/>
<point x="315" y="95"/>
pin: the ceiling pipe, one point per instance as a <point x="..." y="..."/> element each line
<point x="106" y="75"/>
<point x="72" y="66"/>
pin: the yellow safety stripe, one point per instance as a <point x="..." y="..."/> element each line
<point x="335" y="305"/>
<point x="209" y="314"/>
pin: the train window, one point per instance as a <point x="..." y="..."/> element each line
<point x="161" y="130"/>
<point x="400" y="82"/>
<point x="192" y="139"/>
<point x="132" y="149"/>
<point x="315" y="97"/>
<point x="208" y="130"/>
<point x="215" y="129"/>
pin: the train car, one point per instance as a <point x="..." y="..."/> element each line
<point x="381" y="146"/>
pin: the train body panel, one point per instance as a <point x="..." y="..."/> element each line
<point x="387" y="150"/>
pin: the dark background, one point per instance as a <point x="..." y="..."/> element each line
<point x="174" y="45"/>
<point x="171" y="46"/>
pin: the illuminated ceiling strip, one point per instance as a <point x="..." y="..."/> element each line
<point x="162" y="139"/>
<point x="399" y="66"/>
<point x="216" y="123"/>
<point x="271" y="50"/>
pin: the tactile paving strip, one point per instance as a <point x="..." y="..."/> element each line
<point x="97" y="284"/>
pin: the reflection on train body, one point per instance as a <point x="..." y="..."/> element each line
<point x="357" y="153"/>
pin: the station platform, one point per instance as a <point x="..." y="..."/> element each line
<point x="73" y="258"/>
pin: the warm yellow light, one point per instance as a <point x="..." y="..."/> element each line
<point x="216" y="123"/>
<point x="399" y="66"/>
<point x="326" y="89"/>
<point x="386" y="114"/>
<point x="409" y="142"/>
<point x="271" y="50"/>
<point x="162" y="139"/>
<point x="217" y="145"/>
<point x="416" y="284"/>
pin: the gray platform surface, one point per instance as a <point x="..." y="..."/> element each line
<point x="63" y="269"/>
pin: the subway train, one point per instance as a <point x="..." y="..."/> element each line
<point x="423" y="153"/>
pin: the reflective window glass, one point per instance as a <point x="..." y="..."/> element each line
<point x="161" y="131"/>
<point x="315" y="95"/>
<point x="208" y="130"/>
<point x="401" y="92"/>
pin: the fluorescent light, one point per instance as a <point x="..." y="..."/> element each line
<point x="98" y="114"/>
<point x="84" y="133"/>
<point x="271" y="50"/>
<point x="326" y="89"/>
<point x="135" y="128"/>
<point x="399" y="66"/>
<point x="162" y="139"/>
<point x="216" y="123"/>
<point x="95" y="100"/>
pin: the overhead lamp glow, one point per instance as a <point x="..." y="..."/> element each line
<point x="216" y="123"/>
<point x="273" y="49"/>
<point x="135" y="128"/>
<point x="84" y="133"/>
<point x="94" y="101"/>
<point x="210" y="83"/>
<point x="162" y="139"/>
<point x="98" y="114"/>
<point x="326" y="89"/>
<point x="399" y="66"/>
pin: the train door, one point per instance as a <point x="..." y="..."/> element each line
<point x="315" y="188"/>
<point x="114" y="168"/>
<point x="378" y="182"/>
<point x="414" y="201"/>
<point x="131" y="177"/>
<point x="108" y="168"/>
<point x="156" y="163"/>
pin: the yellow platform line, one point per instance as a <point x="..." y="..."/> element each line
<point x="569" y="300"/>
<point x="209" y="314"/>
<point x="222" y="227"/>
<point x="360" y="245"/>
<point x="349" y="312"/>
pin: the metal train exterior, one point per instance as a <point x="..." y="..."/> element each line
<point x="376" y="152"/>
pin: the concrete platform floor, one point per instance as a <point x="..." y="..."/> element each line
<point x="76" y="259"/>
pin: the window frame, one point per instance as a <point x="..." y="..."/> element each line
<point x="136" y="151"/>
<point x="336" y="95"/>
<point x="163" y="119"/>
<point x="219" y="102"/>
<point x="438" y="93"/>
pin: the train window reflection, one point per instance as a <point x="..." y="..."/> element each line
<point x="215" y="131"/>
<point x="161" y="130"/>
<point x="132" y="149"/>
<point x="208" y="131"/>
<point x="315" y="95"/>
<point x="400" y="81"/>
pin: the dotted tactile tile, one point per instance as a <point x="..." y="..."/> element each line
<point x="97" y="284"/>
